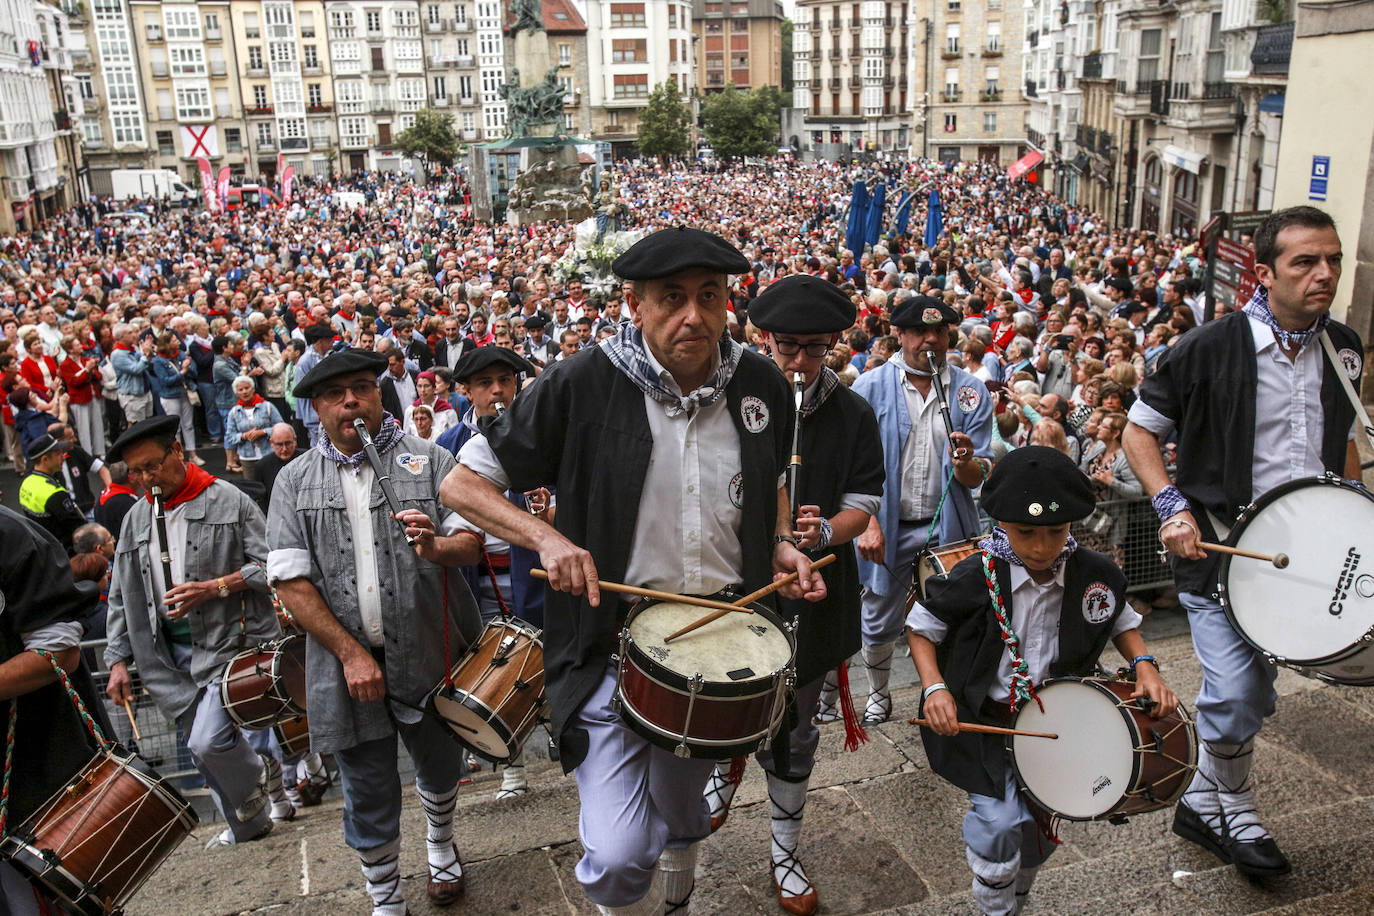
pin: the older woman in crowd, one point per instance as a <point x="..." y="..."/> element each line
<point x="173" y="378"/>
<point x="248" y="426"/>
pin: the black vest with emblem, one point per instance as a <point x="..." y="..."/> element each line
<point x="973" y="649"/>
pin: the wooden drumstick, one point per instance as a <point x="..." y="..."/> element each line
<point x="743" y="603"/>
<point x="651" y="593"/>
<point x="129" y="711"/>
<point x="988" y="729"/>
<point x="1280" y="560"/>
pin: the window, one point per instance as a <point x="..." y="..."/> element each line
<point x="739" y="26"/>
<point x="90" y="131"/>
<point x="182" y="23"/>
<point x="465" y="88"/>
<point x="259" y="96"/>
<point x="188" y="61"/>
<point x="307" y="21"/>
<point x="952" y="81"/>
<point x="1148" y="70"/>
<point x="193" y="103"/>
<point x="436" y="49"/>
<point x="672" y="13"/>
<point x="989" y="122"/>
<point x="432" y="15"/>
<point x="341" y="20"/>
<point x="265" y="133"/>
<point x="952" y="38"/>
<point x="995" y="35"/>
<point x="440" y="87"/>
<point x="374" y="22"/>
<point x="954" y="6"/>
<point x="84" y="87"/>
<point x="1216" y="60"/>
<point x="250" y="25"/>
<point x="627" y="50"/>
<point x="564" y="54"/>
<point x="211" y="23"/>
<point x="463" y="48"/>
<point x="128" y="128"/>
<point x="569" y="121"/>
<point x="165" y="145"/>
<point x="233" y="140"/>
<point x="255" y="57"/>
<point x="631" y="85"/>
<point x="314" y="94"/>
<point x="627" y="15"/>
<point x="460" y="14"/>
<point x="951" y="122"/>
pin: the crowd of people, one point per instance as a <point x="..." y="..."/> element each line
<point x="131" y="349"/>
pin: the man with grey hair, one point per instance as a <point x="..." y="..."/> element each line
<point x="131" y="366"/>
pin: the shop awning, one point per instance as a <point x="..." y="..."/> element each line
<point x="1184" y="159"/>
<point x="1272" y="103"/>
<point x="1025" y="164"/>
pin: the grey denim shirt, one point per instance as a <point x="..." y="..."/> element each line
<point x="225" y="534"/>
<point x="311" y="537"/>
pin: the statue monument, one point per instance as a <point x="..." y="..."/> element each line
<point x="552" y="184"/>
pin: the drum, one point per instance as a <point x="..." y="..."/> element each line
<point x="94" y="843"/>
<point x="1317" y="615"/>
<point x="716" y="692"/>
<point x="294" y="736"/>
<point x="263" y="686"/>
<point x="937" y="561"/>
<point x="1110" y="761"/>
<point x="497" y="695"/>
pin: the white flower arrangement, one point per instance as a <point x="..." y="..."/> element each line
<point x="590" y="261"/>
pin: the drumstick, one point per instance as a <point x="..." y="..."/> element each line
<point x="1280" y="560"/>
<point x="652" y="593"/>
<point x="743" y="603"/>
<point x="988" y="729"/>
<point x="129" y="711"/>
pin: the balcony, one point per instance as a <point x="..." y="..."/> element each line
<point x="294" y="144"/>
<point x="224" y="111"/>
<point x="950" y="53"/>
<point x="990" y="95"/>
<point x="1031" y="92"/>
<point x="311" y="69"/>
<point x="267" y="146"/>
<point x="165" y="113"/>
<point x="1092" y="66"/>
<point x="1273" y="48"/>
<point x="1060" y="79"/>
<point x="433" y="26"/>
<point x="856" y="82"/>
<point x="439" y="102"/>
<point x="889" y="82"/>
<point x="1032" y="38"/>
<point x="383" y="107"/>
<point x="468" y="135"/>
<point x="950" y="96"/>
<point x="159" y="69"/>
<point x="461" y="25"/>
<point x="466" y="102"/>
<point x="320" y="143"/>
<point x="218" y="68"/>
<point x="214" y="35"/>
<point x="1212" y="91"/>
<point x="834" y="83"/>
<point x="153" y="33"/>
<point x="253" y="110"/>
<point x="355" y="141"/>
<point x="258" y="70"/>
<point x="319" y="108"/>
<point x="992" y="50"/>
<point x="1159" y="98"/>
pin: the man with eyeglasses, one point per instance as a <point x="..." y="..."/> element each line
<point x="840" y="490"/>
<point x="383" y="618"/>
<point x="282" y="439"/>
<point x="930" y="475"/>
<point x="182" y="633"/>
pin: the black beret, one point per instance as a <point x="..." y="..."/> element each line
<point x="318" y="332"/>
<point x="671" y="251"/>
<point x="474" y="361"/>
<point x="799" y="304"/>
<point x="344" y="362"/>
<point x="536" y="321"/>
<point x="922" y="311"/>
<point x="44" y="444"/>
<point x="1130" y="307"/>
<point x="143" y="429"/>
<point x="1037" y="485"/>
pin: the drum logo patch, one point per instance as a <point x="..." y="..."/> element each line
<point x="1100" y="783"/>
<point x="1343" y="582"/>
<point x="737" y="490"/>
<point x="754" y="413"/>
<point x="1098" y="603"/>
<point x="412" y="463"/>
<point x="968" y="398"/>
<point x="1352" y="362"/>
<point x="658" y="652"/>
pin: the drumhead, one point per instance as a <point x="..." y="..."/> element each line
<point x="1084" y="773"/>
<point x="734" y="648"/>
<point x="473" y="724"/>
<point x="1322" y="604"/>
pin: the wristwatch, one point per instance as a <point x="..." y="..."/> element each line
<point x="223" y="588"/>
<point x="784" y="539"/>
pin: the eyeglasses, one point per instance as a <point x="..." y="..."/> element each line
<point x="793" y="347"/>
<point x="151" y="468"/>
<point x="336" y="393"/>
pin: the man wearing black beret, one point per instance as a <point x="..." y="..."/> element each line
<point x="930" y="472"/>
<point x="840" y="483"/>
<point x="666" y="444"/>
<point x="1055" y="607"/>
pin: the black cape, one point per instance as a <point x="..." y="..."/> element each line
<point x="973" y="649"/>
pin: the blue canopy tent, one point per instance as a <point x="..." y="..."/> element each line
<point x="858" y="216"/>
<point x="935" y="219"/>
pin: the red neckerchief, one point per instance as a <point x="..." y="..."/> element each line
<point x="115" y="489"/>
<point x="257" y="399"/>
<point x="196" y="483"/>
<point x="120" y="346"/>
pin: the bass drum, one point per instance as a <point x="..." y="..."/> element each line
<point x="1316" y="615"/>
<point x="937" y="561"/>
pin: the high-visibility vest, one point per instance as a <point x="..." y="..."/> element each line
<point x="34" y="492"/>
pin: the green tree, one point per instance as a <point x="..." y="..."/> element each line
<point x="741" y="124"/>
<point x="787" y="57"/>
<point x="430" y="138"/>
<point x="665" y="124"/>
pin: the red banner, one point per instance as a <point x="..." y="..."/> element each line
<point x="207" y="185"/>
<point x="223" y="186"/>
<point x="288" y="178"/>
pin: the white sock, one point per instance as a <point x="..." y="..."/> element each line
<point x="994" y="883"/>
<point x="651" y="904"/>
<point x="275" y="790"/>
<point x="878" y="665"/>
<point x="1229" y="765"/>
<point x="679" y="870"/>
<point x="443" y="856"/>
<point x="382" y="870"/>
<point x="788" y="801"/>
<point x="720" y="791"/>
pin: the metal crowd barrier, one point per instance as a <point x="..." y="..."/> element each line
<point x="1127" y="530"/>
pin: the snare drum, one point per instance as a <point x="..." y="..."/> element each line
<point x="1316" y="615"/>
<point x="95" y="842"/>
<point x="497" y="691"/>
<point x="937" y="561"/>
<point x="716" y="692"/>
<point x="266" y="685"/>
<point x="294" y="737"/>
<point x="1111" y="760"/>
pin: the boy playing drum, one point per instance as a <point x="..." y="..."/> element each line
<point x="1029" y="606"/>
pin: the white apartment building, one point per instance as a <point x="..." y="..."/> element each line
<point x="631" y="48"/>
<point x="114" y="123"/>
<point x="451" y="65"/>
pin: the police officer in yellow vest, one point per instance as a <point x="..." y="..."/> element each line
<point x="42" y="496"/>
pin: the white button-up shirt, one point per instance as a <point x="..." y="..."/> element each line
<point x="922" y="480"/>
<point x="1035" y="618"/>
<point x="357" y="497"/>
<point x="176" y="539"/>
<point x="1288" y="412"/>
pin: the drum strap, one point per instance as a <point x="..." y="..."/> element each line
<point x="1349" y="389"/>
<point x="1022" y="689"/>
